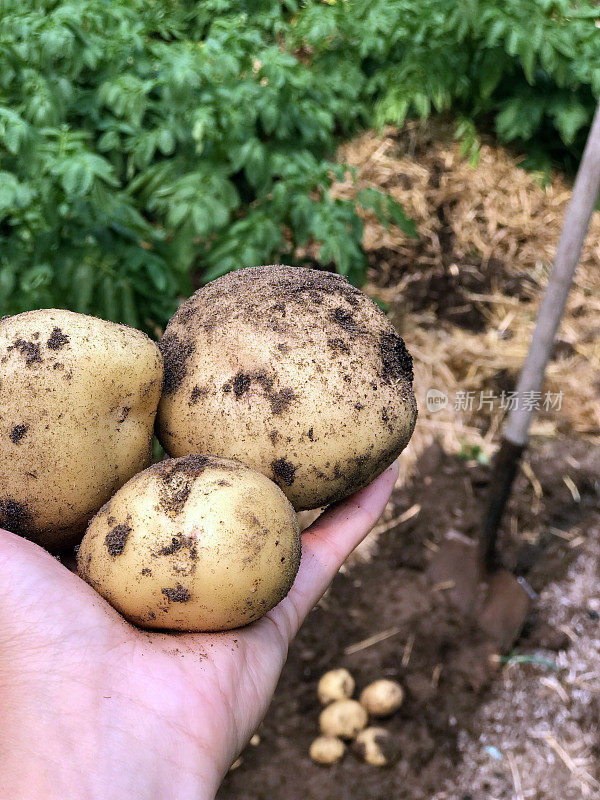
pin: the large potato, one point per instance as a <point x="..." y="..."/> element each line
<point x="292" y="371"/>
<point x="78" y="398"/>
<point x="196" y="544"/>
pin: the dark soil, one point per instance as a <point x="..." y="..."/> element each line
<point x="439" y="656"/>
<point x="448" y="288"/>
<point x="57" y="339"/>
<point x="175" y="353"/>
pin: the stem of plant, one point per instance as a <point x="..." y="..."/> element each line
<point x="560" y="279"/>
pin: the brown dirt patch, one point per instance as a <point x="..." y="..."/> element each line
<point x="453" y="690"/>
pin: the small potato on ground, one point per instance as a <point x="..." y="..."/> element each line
<point x="343" y="718"/>
<point x="194" y="544"/>
<point x="376" y="746"/>
<point x="381" y="698"/>
<point x="327" y="749"/>
<point x="337" y="684"/>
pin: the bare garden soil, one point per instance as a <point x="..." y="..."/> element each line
<point x="441" y="659"/>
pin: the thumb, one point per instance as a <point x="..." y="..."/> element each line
<point x="327" y="544"/>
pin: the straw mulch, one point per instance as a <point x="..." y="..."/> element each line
<point x="465" y="296"/>
<point x="487" y="236"/>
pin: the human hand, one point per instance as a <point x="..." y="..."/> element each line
<point x="92" y="707"/>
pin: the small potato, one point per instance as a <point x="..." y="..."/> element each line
<point x="194" y="544"/>
<point x="326" y="749"/>
<point x="381" y="698"/>
<point x="294" y="372"/>
<point x="343" y="718"/>
<point x="376" y="746"/>
<point x="78" y="397"/>
<point x="337" y="684"/>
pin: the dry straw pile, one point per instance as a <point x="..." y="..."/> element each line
<point x="465" y="293"/>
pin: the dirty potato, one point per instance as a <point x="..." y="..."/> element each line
<point x="343" y="718"/>
<point x="294" y="372"/>
<point x="195" y="544"/>
<point x="336" y="684"/>
<point x="326" y="749"/>
<point x="381" y="698"/>
<point x="377" y="747"/>
<point x="78" y="397"/>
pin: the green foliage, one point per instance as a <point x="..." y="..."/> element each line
<point x="141" y="142"/>
<point x="531" y="68"/>
<point x="387" y="210"/>
<point x="472" y="452"/>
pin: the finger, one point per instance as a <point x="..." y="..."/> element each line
<point x="327" y="544"/>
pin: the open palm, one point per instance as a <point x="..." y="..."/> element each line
<point x="92" y="707"/>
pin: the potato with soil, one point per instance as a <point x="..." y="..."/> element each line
<point x="78" y="397"/>
<point x="381" y="698"/>
<point x="377" y="747"/>
<point x="292" y="371"/>
<point x="342" y="718"/>
<point x="326" y="749"/>
<point x="337" y="684"/>
<point x="194" y="544"/>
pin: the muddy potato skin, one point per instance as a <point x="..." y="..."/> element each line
<point x="376" y="746"/>
<point x="294" y="372"/>
<point x="381" y="698"/>
<point x="336" y="684"/>
<point x="343" y="718"/>
<point x="326" y="749"/>
<point x="195" y="544"/>
<point x="78" y="398"/>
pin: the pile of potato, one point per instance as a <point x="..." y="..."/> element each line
<point x="346" y="720"/>
<point x="274" y="389"/>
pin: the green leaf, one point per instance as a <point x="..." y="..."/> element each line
<point x="570" y="119"/>
<point x="76" y="178"/>
<point x="371" y="199"/>
<point x="8" y="191"/>
<point x="130" y="312"/>
<point x="83" y="288"/>
<point x="8" y="281"/>
<point x="269" y="116"/>
<point x="36" y="278"/>
<point x="109" y="140"/>
<point x="387" y="210"/>
<point x="399" y="218"/>
<point x="165" y="141"/>
<point x="157" y="275"/>
<point x="108" y="295"/>
<point x="528" y="62"/>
